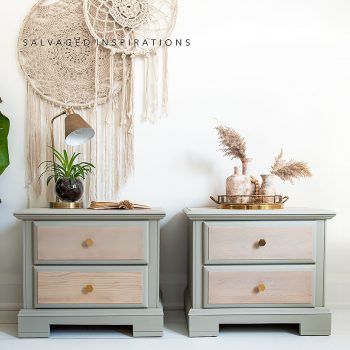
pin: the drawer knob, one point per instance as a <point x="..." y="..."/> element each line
<point x="262" y="243"/>
<point x="261" y="288"/>
<point x="88" y="289"/>
<point x="88" y="243"/>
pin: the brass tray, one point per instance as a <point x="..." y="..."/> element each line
<point x="253" y="202"/>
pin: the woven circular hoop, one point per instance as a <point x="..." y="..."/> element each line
<point x="130" y="26"/>
<point x="59" y="58"/>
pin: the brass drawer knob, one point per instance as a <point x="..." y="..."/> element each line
<point x="88" y="243"/>
<point x="88" y="289"/>
<point x="261" y="288"/>
<point x="262" y="243"/>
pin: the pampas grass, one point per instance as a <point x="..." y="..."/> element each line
<point x="233" y="144"/>
<point x="290" y="170"/>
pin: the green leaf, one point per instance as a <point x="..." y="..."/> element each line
<point x="4" y="153"/>
<point x="65" y="167"/>
<point x="72" y="160"/>
<point x="49" y="179"/>
<point x="57" y="155"/>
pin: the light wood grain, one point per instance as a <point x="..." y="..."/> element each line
<point x="242" y="287"/>
<point x="242" y="243"/>
<point x="59" y="243"/>
<point x="55" y="287"/>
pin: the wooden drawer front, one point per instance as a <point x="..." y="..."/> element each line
<point x="84" y="287"/>
<point x="227" y="242"/>
<point x="287" y="286"/>
<point x="91" y="242"/>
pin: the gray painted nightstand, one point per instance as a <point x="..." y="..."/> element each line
<point x="85" y="267"/>
<point x="256" y="267"/>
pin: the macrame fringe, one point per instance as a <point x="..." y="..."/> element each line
<point x="154" y="85"/>
<point x="97" y="85"/>
<point x="129" y="127"/>
<point x="146" y="113"/>
<point x="40" y="114"/>
<point x="124" y="91"/>
<point x="165" y="98"/>
<point x="34" y="150"/>
<point x="152" y="111"/>
<point x="112" y="149"/>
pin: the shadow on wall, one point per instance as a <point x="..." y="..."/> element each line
<point x="173" y="261"/>
<point x="10" y="246"/>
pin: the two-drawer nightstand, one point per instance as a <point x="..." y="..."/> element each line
<point x="85" y="267"/>
<point x="257" y="267"/>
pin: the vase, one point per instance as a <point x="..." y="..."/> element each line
<point x="69" y="190"/>
<point x="246" y="166"/>
<point x="238" y="185"/>
<point x="268" y="187"/>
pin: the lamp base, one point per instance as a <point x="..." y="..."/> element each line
<point x="66" y="205"/>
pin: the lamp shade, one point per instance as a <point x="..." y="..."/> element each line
<point x="78" y="131"/>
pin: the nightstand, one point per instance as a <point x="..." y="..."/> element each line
<point x="86" y="267"/>
<point x="257" y="267"/>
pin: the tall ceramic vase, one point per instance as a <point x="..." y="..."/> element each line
<point x="268" y="187"/>
<point x="240" y="184"/>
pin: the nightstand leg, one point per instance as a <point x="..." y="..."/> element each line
<point x="316" y="325"/>
<point x="33" y="327"/>
<point x="202" y="326"/>
<point x="148" y="326"/>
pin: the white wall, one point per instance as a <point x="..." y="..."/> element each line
<point x="277" y="71"/>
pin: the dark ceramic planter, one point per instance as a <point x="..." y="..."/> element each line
<point x="68" y="190"/>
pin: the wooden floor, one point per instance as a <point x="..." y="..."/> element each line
<point x="175" y="337"/>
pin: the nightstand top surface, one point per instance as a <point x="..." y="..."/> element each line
<point x="88" y="214"/>
<point x="280" y="214"/>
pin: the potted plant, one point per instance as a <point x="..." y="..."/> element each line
<point x="67" y="174"/>
<point x="4" y="153"/>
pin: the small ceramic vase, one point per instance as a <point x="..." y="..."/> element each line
<point x="238" y="185"/>
<point x="268" y="187"/>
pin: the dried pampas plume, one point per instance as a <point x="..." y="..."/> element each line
<point x="290" y="170"/>
<point x="233" y="144"/>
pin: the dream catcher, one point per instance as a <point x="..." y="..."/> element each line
<point x="131" y="28"/>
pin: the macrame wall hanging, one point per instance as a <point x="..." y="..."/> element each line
<point x="65" y="67"/>
<point x="131" y="28"/>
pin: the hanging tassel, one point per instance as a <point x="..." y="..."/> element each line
<point x="124" y="90"/>
<point x="96" y="78"/>
<point x="154" y="89"/>
<point x="146" y="115"/>
<point x="165" y="98"/>
<point x="34" y="145"/>
<point x="94" y="152"/>
<point x="111" y="75"/>
<point x="129" y="127"/>
<point x="131" y="87"/>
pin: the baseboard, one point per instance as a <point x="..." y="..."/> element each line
<point x="10" y="297"/>
<point x="337" y="306"/>
<point x="8" y="312"/>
